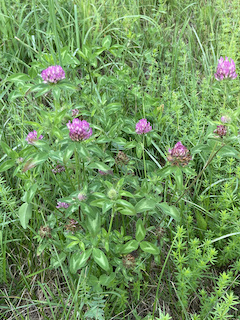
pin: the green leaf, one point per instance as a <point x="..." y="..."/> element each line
<point x="7" y="165"/>
<point x="56" y="261"/>
<point x="130" y="246"/>
<point x="28" y="195"/>
<point x="100" y="258"/>
<point x="106" y="42"/>
<point x="165" y="172"/>
<point x="72" y="244"/>
<point x="82" y="150"/>
<point x="178" y="178"/>
<point x="106" y="280"/>
<point x="18" y="77"/>
<point x="42" y="246"/>
<point x="40" y="158"/>
<point x="99" y="165"/>
<point x="41" y="89"/>
<point x="145" y="205"/>
<point x="68" y="152"/>
<point x="107" y="205"/>
<point x="66" y="85"/>
<point x="125" y="207"/>
<point x="98" y="203"/>
<point x="149" y="247"/>
<point x="130" y="145"/>
<point x="139" y="150"/>
<point x="228" y="151"/>
<point x="188" y="171"/>
<point x="11" y="153"/>
<point x="25" y="214"/>
<point x="201" y="222"/>
<point x="94" y="224"/>
<point x="113" y="108"/>
<point x="140" y="230"/>
<point x="199" y="148"/>
<point x="170" y="210"/>
<point x="78" y="260"/>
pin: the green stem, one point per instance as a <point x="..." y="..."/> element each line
<point x="212" y="155"/>
<point x="111" y="221"/>
<point x="77" y="168"/>
<point x="225" y="95"/>
<point x="144" y="160"/>
<point x="161" y="274"/>
<point x="68" y="175"/>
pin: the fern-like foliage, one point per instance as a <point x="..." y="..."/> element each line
<point x="96" y="310"/>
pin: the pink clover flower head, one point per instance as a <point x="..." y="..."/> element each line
<point x="225" y="119"/>
<point x="142" y="126"/>
<point x="179" y="150"/>
<point x="32" y="136"/>
<point x="225" y="69"/>
<point x="221" y="130"/>
<point x="58" y="169"/>
<point x="82" y="196"/>
<point x="53" y="74"/>
<point x="179" y="155"/>
<point x="79" y="130"/>
<point x="62" y="205"/>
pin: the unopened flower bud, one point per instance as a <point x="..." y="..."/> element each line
<point x="112" y="194"/>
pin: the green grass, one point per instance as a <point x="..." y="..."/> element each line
<point x="124" y="60"/>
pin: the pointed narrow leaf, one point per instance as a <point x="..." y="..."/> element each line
<point x="170" y="210"/>
<point x="179" y="178"/>
<point x="99" y="166"/>
<point x="145" y="205"/>
<point x="7" y="165"/>
<point x="149" y="247"/>
<point x="140" y="230"/>
<point x="129" y="247"/>
<point x="100" y="258"/>
<point x="94" y="224"/>
<point x="78" y="260"/>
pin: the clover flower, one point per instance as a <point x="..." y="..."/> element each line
<point x="121" y="158"/>
<point x="104" y="173"/>
<point x="225" y="119"/>
<point x="79" y="129"/>
<point x="32" y="136"/>
<point x="45" y="232"/>
<point x="143" y="126"/>
<point x="62" y="205"/>
<point x="225" y="69"/>
<point x="53" y="74"/>
<point x="82" y="196"/>
<point x="75" y="112"/>
<point x="58" y="169"/>
<point x="72" y="226"/>
<point x="179" y="155"/>
<point x="221" y="130"/>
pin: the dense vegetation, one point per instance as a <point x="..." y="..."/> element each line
<point x="124" y="223"/>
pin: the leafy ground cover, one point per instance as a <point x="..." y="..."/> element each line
<point x="120" y="167"/>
